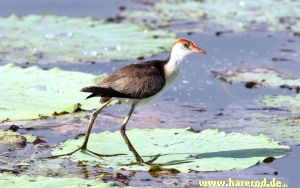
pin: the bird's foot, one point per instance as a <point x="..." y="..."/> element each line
<point x="84" y="150"/>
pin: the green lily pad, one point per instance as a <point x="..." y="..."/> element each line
<point x="8" y="180"/>
<point x="32" y="93"/>
<point x="217" y="14"/>
<point x="182" y="149"/>
<point x="167" y="12"/>
<point x="284" y="129"/>
<point x="258" y="77"/>
<point x="291" y="103"/>
<point x="68" y="39"/>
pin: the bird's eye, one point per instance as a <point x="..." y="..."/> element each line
<point x="186" y="45"/>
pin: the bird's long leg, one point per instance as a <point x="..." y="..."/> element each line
<point x="91" y="123"/>
<point x="83" y="147"/>
<point x="138" y="158"/>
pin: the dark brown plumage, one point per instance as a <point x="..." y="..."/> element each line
<point x="135" y="81"/>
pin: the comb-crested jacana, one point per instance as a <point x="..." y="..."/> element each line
<point x="136" y="84"/>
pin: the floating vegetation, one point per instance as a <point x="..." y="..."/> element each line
<point x="163" y="13"/>
<point x="215" y="15"/>
<point x="291" y="103"/>
<point x="209" y="150"/>
<point x="282" y="128"/>
<point x="258" y="77"/>
<point x="286" y="129"/>
<point x="33" y="93"/>
<point x="52" y="39"/>
<point x="8" y="180"/>
<point x="12" y="140"/>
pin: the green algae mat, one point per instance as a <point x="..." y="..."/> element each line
<point x="181" y="149"/>
<point x="51" y="39"/>
<point x="31" y="93"/>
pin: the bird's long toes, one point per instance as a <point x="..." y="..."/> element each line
<point x="87" y="151"/>
<point x="153" y="159"/>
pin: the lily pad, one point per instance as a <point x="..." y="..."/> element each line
<point x="258" y="77"/>
<point x="167" y="12"/>
<point x="283" y="128"/>
<point x="32" y="93"/>
<point x="182" y="149"/>
<point x="69" y="39"/>
<point x="8" y="180"/>
<point x="291" y="103"/>
<point x="217" y="14"/>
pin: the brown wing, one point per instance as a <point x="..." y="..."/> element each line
<point x="136" y="81"/>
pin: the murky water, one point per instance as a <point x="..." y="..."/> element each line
<point x="94" y="8"/>
<point x="195" y="98"/>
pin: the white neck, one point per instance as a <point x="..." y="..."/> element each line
<point x="177" y="55"/>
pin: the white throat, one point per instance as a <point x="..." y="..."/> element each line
<point x="177" y="55"/>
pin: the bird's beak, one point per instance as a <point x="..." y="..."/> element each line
<point x="198" y="50"/>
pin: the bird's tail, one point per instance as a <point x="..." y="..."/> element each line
<point x="104" y="93"/>
<point x="91" y="89"/>
<point x="91" y="95"/>
<point x="97" y="92"/>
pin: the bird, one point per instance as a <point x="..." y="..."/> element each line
<point x="137" y="84"/>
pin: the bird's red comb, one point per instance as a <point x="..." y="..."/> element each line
<point x="184" y="40"/>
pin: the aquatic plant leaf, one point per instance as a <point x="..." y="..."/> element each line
<point x="32" y="93"/>
<point x="283" y="128"/>
<point x="68" y="39"/>
<point x="217" y="14"/>
<point x="8" y="180"/>
<point x="167" y="12"/>
<point x="291" y="103"/>
<point x="182" y="149"/>
<point x="258" y="77"/>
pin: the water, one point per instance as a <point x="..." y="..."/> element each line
<point x="94" y="8"/>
